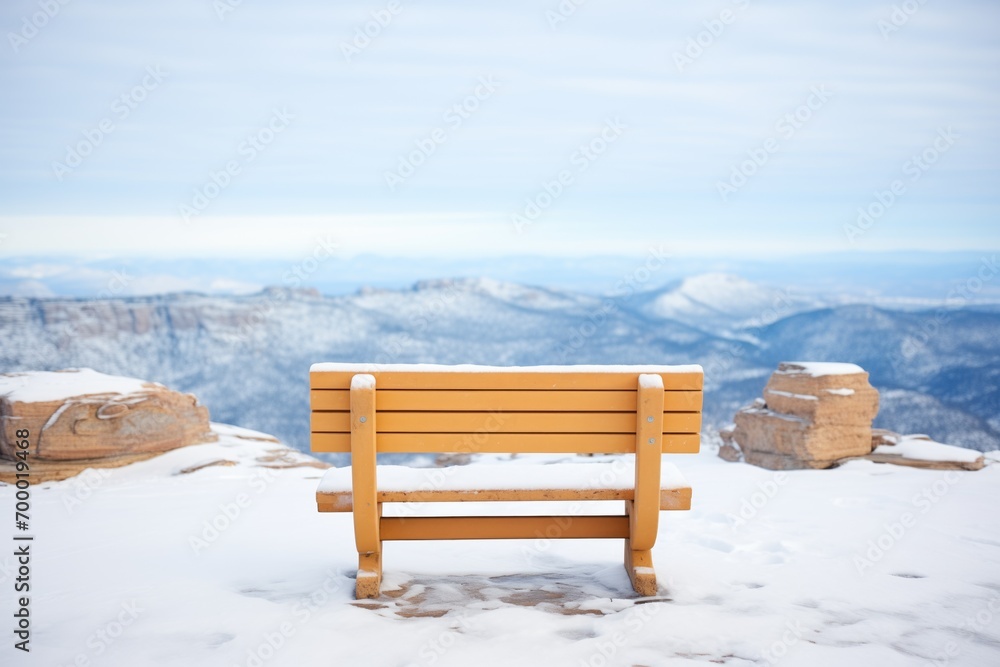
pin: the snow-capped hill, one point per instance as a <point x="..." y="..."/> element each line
<point x="481" y="285"/>
<point x="468" y="295"/>
<point x="723" y="300"/>
<point x="528" y="296"/>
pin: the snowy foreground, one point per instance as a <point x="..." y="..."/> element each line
<point x="864" y="565"/>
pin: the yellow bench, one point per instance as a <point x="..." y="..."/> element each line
<point x="641" y="410"/>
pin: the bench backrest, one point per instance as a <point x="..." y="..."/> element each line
<point x="533" y="409"/>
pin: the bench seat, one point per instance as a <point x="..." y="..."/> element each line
<point x="478" y="482"/>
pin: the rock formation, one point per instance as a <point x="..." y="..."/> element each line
<point x="812" y="416"/>
<point x="80" y="418"/>
<point x="817" y="415"/>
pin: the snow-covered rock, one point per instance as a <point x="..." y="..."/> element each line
<point x="79" y="418"/>
<point x="811" y="416"/>
<point x="920" y="451"/>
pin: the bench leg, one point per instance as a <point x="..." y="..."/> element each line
<point x="639" y="565"/>
<point x="369" y="582"/>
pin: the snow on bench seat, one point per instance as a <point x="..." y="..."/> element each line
<point x="483" y="482"/>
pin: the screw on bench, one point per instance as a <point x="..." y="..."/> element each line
<point x="652" y="441"/>
<point x="363" y="419"/>
<point x="649" y="419"/>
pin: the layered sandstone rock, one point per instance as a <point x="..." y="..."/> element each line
<point x="920" y="451"/>
<point x="811" y="416"/>
<point x="81" y="418"/>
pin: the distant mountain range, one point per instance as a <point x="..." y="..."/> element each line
<point x="855" y="276"/>
<point x="722" y="301"/>
<point x="247" y="356"/>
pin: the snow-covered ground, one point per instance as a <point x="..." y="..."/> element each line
<point x="227" y="565"/>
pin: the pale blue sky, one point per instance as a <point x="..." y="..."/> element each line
<point x="342" y="124"/>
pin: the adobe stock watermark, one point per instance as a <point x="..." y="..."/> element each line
<point x="370" y="30"/>
<point x="104" y="637"/>
<point x="33" y="24"/>
<point x="606" y="648"/>
<point x="8" y="568"/>
<point x="898" y="17"/>
<point x="562" y="12"/>
<point x="714" y="29"/>
<point x="435" y="648"/>
<point x="303" y="611"/>
<point x="247" y="151"/>
<point x="465" y="443"/>
<point x="913" y="169"/>
<point x="295" y="277"/>
<point x="629" y="284"/>
<point x="580" y="161"/>
<point x="392" y="347"/>
<point x="966" y="290"/>
<point x="116" y="284"/>
<point x="224" y="8"/>
<point x="453" y="118"/>
<point x="230" y="512"/>
<point x="603" y="477"/>
<point x="957" y="297"/>
<point x="978" y="623"/>
<point x="894" y="531"/>
<point x="121" y="108"/>
<point x="781" y="306"/>
<point x="751" y="505"/>
<point x="785" y="128"/>
<point x="82" y="487"/>
<point x="114" y="288"/>
<point x="779" y="648"/>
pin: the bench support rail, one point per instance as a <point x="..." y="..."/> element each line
<point x="367" y="509"/>
<point x="645" y="514"/>
<point x="504" y="527"/>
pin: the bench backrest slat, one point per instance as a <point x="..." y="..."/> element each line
<point x="502" y="422"/>
<point x="441" y="410"/>
<point x="598" y="380"/>
<point x="484" y="400"/>
<point x="505" y="443"/>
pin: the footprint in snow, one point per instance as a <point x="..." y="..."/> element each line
<point x="714" y="544"/>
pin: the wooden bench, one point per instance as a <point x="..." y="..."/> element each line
<point x="640" y="410"/>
